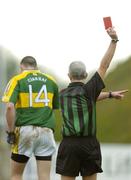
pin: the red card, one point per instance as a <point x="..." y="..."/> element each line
<point x="107" y="22"/>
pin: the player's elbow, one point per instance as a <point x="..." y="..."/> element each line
<point x="10" y="106"/>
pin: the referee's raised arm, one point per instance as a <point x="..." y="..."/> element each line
<point x="105" y="62"/>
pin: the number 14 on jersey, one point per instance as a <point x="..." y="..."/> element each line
<point x="38" y="98"/>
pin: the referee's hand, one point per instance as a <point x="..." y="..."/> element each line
<point x="11" y="139"/>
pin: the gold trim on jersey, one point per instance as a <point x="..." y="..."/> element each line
<point x="23" y="101"/>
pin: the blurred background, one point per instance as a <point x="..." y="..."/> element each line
<point x="56" y="33"/>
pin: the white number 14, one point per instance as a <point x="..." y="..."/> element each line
<point x="45" y="100"/>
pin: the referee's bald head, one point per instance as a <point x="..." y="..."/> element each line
<point x="77" y="70"/>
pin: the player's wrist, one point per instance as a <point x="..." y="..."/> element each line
<point x="11" y="138"/>
<point x="9" y="131"/>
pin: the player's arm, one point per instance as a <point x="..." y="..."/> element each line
<point x="10" y="116"/>
<point x="10" y="98"/>
<point x="105" y="62"/>
<point x="113" y="94"/>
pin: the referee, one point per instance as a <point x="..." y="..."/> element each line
<point x="79" y="152"/>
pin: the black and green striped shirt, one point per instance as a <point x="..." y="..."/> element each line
<point x="78" y="105"/>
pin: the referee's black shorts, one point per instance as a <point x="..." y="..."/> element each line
<point x="79" y="155"/>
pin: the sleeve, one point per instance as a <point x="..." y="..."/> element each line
<point x="11" y="91"/>
<point x="56" y="98"/>
<point x="94" y="86"/>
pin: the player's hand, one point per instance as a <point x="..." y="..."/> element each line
<point x="11" y="138"/>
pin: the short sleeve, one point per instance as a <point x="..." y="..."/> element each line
<point x="94" y="86"/>
<point x="11" y="91"/>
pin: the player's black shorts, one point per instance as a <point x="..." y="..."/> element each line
<point x="78" y="155"/>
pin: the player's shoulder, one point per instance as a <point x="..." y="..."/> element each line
<point x="18" y="77"/>
<point x="14" y="78"/>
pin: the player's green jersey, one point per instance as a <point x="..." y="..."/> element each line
<point x="35" y="95"/>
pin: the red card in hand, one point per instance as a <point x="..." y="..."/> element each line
<point x="107" y="22"/>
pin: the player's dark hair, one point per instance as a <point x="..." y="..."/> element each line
<point x="29" y="61"/>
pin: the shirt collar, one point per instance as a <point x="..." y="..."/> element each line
<point x="73" y="84"/>
<point x="31" y="70"/>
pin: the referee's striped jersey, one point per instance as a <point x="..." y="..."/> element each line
<point x="35" y="95"/>
<point x="78" y="106"/>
